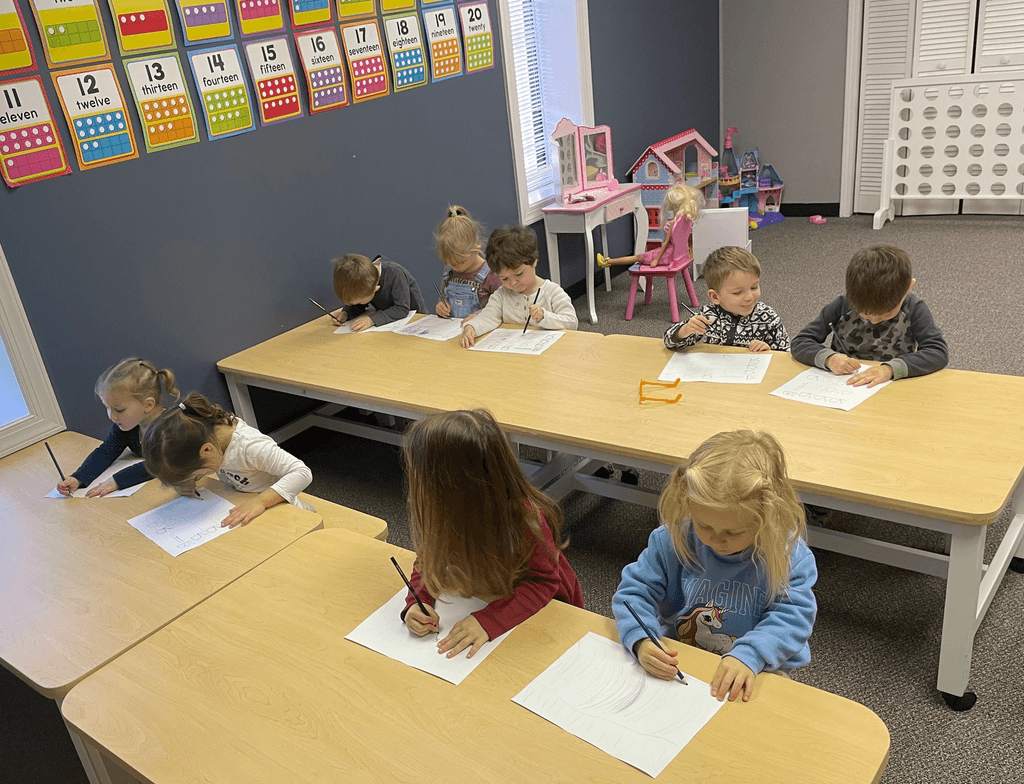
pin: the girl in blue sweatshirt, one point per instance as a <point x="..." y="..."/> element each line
<point x="728" y="570"/>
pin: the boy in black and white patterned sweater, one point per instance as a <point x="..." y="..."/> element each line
<point x="736" y="317"/>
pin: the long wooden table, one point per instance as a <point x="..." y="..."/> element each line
<point x="259" y="684"/>
<point x="944" y="452"/>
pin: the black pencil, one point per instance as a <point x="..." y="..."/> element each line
<point x="649" y="633"/>
<point x="54" y="459"/>
<point x="325" y="310"/>
<point x="528" y="312"/>
<point x="441" y="297"/>
<point x="408" y="585"/>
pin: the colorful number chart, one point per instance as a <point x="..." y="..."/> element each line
<point x="443" y="36"/>
<point x="161" y="97"/>
<point x="405" y="47"/>
<point x="387" y="6"/>
<point x="30" y="147"/>
<point x="270" y="63"/>
<point x="142" y="25"/>
<point x="325" y="69"/>
<point x="71" y="31"/>
<point x="259" y="16"/>
<point x="15" y="49"/>
<point x="352" y="9"/>
<point x="204" y="22"/>
<point x="310" y="12"/>
<point x="223" y="92"/>
<point x="365" y="57"/>
<point x="477" y="37"/>
<point x="95" y="110"/>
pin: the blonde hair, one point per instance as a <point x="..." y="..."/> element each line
<point x="139" y="379"/>
<point x="742" y="471"/>
<point x="170" y="446"/>
<point x="457" y="236"/>
<point x="355" y="277"/>
<point x="681" y="199"/>
<point x="724" y="261"/>
<point x="475" y="518"/>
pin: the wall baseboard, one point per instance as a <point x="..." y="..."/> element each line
<point x="826" y="209"/>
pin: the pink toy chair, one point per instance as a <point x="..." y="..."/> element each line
<point x="669" y="272"/>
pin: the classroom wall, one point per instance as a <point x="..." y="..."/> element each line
<point x="783" y="82"/>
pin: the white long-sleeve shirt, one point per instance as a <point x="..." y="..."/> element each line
<point x="510" y="307"/>
<point x="253" y="462"/>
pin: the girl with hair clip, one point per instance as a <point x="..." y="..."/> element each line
<point x="480" y="529"/>
<point x="132" y="392"/>
<point x="198" y="437"/>
<point x="679" y="211"/>
<point x="467" y="281"/>
<point x="728" y="570"/>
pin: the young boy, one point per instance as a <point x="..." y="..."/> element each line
<point x="736" y="317"/>
<point x="512" y="255"/>
<point x="388" y="286"/>
<point x="878" y="319"/>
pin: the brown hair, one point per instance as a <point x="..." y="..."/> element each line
<point x="510" y="247"/>
<point x="877" y="279"/>
<point x="170" y="446"/>
<point x="355" y="277"/>
<point x="138" y="378"/>
<point x="457" y="236"/>
<point x="724" y="261"/>
<point x="474" y="516"/>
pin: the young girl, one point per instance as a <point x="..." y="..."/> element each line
<point x="728" y="570"/>
<point x="132" y="392"/>
<point x="679" y="211"/>
<point x="480" y="529"/>
<point x="198" y="437"/>
<point x="467" y="281"/>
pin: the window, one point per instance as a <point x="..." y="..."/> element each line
<point x="546" y="78"/>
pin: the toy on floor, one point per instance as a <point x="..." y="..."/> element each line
<point x="817" y="219"/>
<point x="746" y="182"/>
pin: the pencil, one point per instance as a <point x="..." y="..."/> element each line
<point x="679" y="673"/>
<point x="54" y="459"/>
<point x="440" y="295"/>
<point x="408" y="585"/>
<point x="528" y="312"/>
<point x="325" y="310"/>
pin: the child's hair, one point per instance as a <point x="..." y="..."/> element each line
<point x="457" y="236"/>
<point x="724" y="261"/>
<point x="510" y="247"/>
<point x="877" y="279"/>
<point x="138" y="378"/>
<point x="355" y="277"/>
<point x="681" y="199"/>
<point x="745" y="471"/>
<point x="170" y="446"/>
<point x="474" y="516"/>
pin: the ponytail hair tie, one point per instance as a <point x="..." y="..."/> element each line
<point x="182" y="407"/>
<point x="453" y="212"/>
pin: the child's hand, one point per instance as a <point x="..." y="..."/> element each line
<point x="186" y="488"/>
<point x="660" y="664"/>
<point x="841" y="365"/>
<point x="536" y="313"/>
<point x="443" y="309"/>
<point x="102" y="489"/>
<point x="697" y="325"/>
<point x="67" y="486"/>
<point x="420" y="624"/>
<point x="733" y="677"/>
<point x="872" y="376"/>
<point x="468" y="339"/>
<point x="361" y="323"/>
<point x="243" y="514"/>
<point x="339" y="317"/>
<point x="465" y="633"/>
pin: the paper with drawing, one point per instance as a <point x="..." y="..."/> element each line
<point x="823" y="388"/>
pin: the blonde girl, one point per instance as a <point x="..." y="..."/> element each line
<point x="467" y="281"/>
<point x="480" y="529"/>
<point x="198" y="437"/>
<point x="132" y="391"/>
<point x="728" y="570"/>
<point x="679" y="211"/>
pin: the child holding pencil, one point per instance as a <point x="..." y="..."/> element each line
<point x="480" y="529"/>
<point x="467" y="282"/>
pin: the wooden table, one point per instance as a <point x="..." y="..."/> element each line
<point x="259" y="684"/>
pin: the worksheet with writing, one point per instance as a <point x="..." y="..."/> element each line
<point x="346" y="328"/>
<point x="515" y="341"/>
<point x="717" y="368"/>
<point x="823" y="388"/>
<point x="185" y="522"/>
<point x="125" y="460"/>
<point x="432" y="328"/>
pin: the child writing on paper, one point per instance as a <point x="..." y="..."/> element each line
<point x="728" y="570"/>
<point x="198" y="437"/>
<point x="679" y="211"/>
<point x="512" y="254"/>
<point x="467" y="282"/>
<point x="388" y="286"/>
<point x="480" y="529"/>
<point x="736" y="315"/>
<point x="878" y="319"/>
<point x="132" y="392"/>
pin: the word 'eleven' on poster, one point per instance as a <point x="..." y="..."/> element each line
<point x="30" y="147"/>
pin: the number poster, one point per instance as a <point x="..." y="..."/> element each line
<point x="162" y="100"/>
<point x="15" y="48"/>
<point x="365" y="57"/>
<point x="405" y="48"/>
<point x="30" y="147"/>
<point x="204" y="22"/>
<point x="443" y="35"/>
<point x="71" y="31"/>
<point x="277" y="84"/>
<point x="476" y="36"/>
<point x="223" y="92"/>
<point x="94" y="107"/>
<point x="321" y="59"/>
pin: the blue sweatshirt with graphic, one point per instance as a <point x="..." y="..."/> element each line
<point x="720" y="605"/>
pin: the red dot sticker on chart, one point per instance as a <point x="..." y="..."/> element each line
<point x="71" y="31"/>
<point x="30" y="147"/>
<point x="442" y="32"/>
<point x="259" y="16"/>
<point x="142" y="25"/>
<point x="476" y="36"/>
<point x="96" y="113"/>
<point x="223" y="92"/>
<point x="162" y="100"/>
<point x="365" y="57"/>
<point x="277" y="84"/>
<point x="405" y="47"/>
<point x="321" y="59"/>
<point x="15" y="47"/>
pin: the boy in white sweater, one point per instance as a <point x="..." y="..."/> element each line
<point x="512" y="255"/>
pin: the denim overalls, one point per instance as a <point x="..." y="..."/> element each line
<point x="463" y="298"/>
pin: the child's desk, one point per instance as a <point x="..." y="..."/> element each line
<point x="259" y="684"/>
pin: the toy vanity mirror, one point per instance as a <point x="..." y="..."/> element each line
<point x="584" y="160"/>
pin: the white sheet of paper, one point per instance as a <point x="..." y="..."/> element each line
<point x="717" y="368"/>
<point x="515" y="341"/>
<point x="432" y="327"/>
<point x="125" y="460"/>
<point x="184" y="523"/>
<point x="385" y="632"/>
<point x="599" y="693"/>
<point x="823" y="388"/>
<point x="346" y="329"/>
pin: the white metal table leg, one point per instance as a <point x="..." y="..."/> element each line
<point x="240" y="400"/>
<point x="960" y="619"/>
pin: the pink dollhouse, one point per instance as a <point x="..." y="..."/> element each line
<point x="746" y="182"/>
